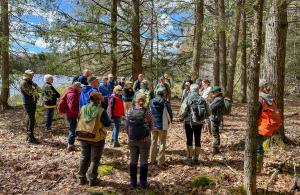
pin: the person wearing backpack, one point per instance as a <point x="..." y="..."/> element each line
<point x="91" y="133"/>
<point x="145" y="90"/>
<point x="137" y="83"/>
<point x="69" y="105"/>
<point x="93" y="85"/>
<point x="139" y="124"/>
<point x="116" y="112"/>
<point x="193" y="111"/>
<point x="83" y="79"/>
<point x="217" y="107"/>
<point x="50" y="96"/>
<point x="158" y="106"/>
<point x="205" y="94"/>
<point x="162" y="84"/>
<point x="269" y="119"/>
<point x="186" y="91"/>
<point x="30" y="92"/>
<point x="128" y="94"/>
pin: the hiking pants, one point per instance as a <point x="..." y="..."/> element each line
<point x="116" y="128"/>
<point x="30" y="111"/>
<point x="49" y="117"/>
<point x="72" y="129"/>
<point x="193" y="131"/>
<point x="139" y="149"/>
<point x="158" y="146"/>
<point x="216" y="133"/>
<point x="90" y="157"/>
<point x="260" y="141"/>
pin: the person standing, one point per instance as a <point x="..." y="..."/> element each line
<point x="216" y="106"/>
<point x="186" y="91"/>
<point x="162" y="84"/>
<point x="145" y="90"/>
<point x="103" y="89"/>
<point x="50" y="96"/>
<point x="162" y="115"/>
<point x="30" y="92"/>
<point x="139" y="124"/>
<point x="93" y="85"/>
<point x="85" y="75"/>
<point x="188" y="79"/>
<point x="190" y="112"/>
<point x="116" y="112"/>
<point x="72" y="97"/>
<point x="111" y="84"/>
<point x="205" y="94"/>
<point x="122" y="82"/>
<point x="128" y="94"/>
<point x="137" y="83"/>
<point x="91" y="147"/>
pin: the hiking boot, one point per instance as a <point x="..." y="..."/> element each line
<point x="188" y="161"/>
<point x="71" y="147"/>
<point x="94" y="182"/>
<point x="116" y="144"/>
<point x="83" y="181"/>
<point x="196" y="154"/>
<point x="260" y="162"/>
<point x="31" y="139"/>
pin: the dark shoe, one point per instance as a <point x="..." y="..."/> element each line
<point x="116" y="144"/>
<point x="32" y="139"/>
<point x="71" y="147"/>
<point x="94" y="182"/>
<point x="83" y="181"/>
<point x="143" y="175"/>
<point x="195" y="160"/>
<point x="188" y="161"/>
<point x="133" y="175"/>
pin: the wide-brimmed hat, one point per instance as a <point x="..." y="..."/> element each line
<point x="29" y="72"/>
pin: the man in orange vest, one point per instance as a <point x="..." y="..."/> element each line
<point x="269" y="119"/>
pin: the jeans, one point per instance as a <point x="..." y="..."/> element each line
<point x="260" y="141"/>
<point x="90" y="157"/>
<point x="216" y="133"/>
<point x="30" y="111"/>
<point x="49" y="117"/>
<point x="158" y="146"/>
<point x="193" y="131"/>
<point x="116" y="128"/>
<point x="139" y="149"/>
<point x="72" y="129"/>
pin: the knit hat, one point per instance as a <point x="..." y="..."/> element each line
<point x="263" y="83"/>
<point x="91" y="79"/>
<point x="216" y="89"/>
<point x="161" y="91"/>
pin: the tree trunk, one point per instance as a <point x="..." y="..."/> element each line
<point x="137" y="67"/>
<point x="252" y="100"/>
<point x="275" y="52"/>
<point x="5" y="54"/>
<point x="152" y="38"/>
<point x="217" y="62"/>
<point x="114" y="36"/>
<point x="197" y="38"/>
<point x="243" y="56"/>
<point x="222" y="44"/>
<point x="233" y="50"/>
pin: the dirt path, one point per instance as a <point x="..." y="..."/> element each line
<point x="48" y="168"/>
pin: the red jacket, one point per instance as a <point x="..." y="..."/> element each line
<point x="73" y="102"/>
<point x="116" y="105"/>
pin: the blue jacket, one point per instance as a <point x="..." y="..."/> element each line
<point x="157" y="106"/>
<point x="85" y="95"/>
<point x="111" y="86"/>
<point x="103" y="89"/>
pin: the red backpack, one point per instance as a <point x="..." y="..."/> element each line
<point x="270" y="119"/>
<point x="62" y="106"/>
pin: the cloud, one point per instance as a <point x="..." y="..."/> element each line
<point x="40" y="42"/>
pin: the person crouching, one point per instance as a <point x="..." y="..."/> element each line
<point x="91" y="133"/>
<point x="139" y="124"/>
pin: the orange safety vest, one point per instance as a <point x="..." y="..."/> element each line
<point x="269" y="120"/>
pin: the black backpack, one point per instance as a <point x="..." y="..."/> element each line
<point x="198" y="109"/>
<point x="137" y="129"/>
<point x="75" y="79"/>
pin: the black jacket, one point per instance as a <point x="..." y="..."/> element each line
<point x="49" y="94"/>
<point x="216" y="107"/>
<point x="128" y="94"/>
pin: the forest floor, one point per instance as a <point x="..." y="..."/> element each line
<point x="48" y="168"/>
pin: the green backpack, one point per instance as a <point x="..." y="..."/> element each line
<point x="227" y="106"/>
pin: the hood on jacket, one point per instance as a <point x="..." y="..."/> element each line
<point x="72" y="89"/>
<point x="87" y="88"/>
<point x="90" y="112"/>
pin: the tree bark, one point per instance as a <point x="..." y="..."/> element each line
<point x="197" y="38"/>
<point x="275" y="52"/>
<point x="252" y="100"/>
<point x="217" y="62"/>
<point x="222" y="44"/>
<point x="114" y="36"/>
<point x="137" y="60"/>
<point x="233" y="50"/>
<point x="152" y="38"/>
<point x="5" y="54"/>
<point x="243" y="55"/>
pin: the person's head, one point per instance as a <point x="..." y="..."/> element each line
<point x="187" y="85"/>
<point x="161" y="91"/>
<point x="93" y="81"/>
<point x="129" y="84"/>
<point x="110" y="77"/>
<point x="86" y="73"/>
<point x="141" y="77"/>
<point x="95" y="97"/>
<point x="194" y="88"/>
<point x="118" y="90"/>
<point x="144" y="84"/>
<point x="28" y="74"/>
<point x="104" y="79"/>
<point x="162" y="80"/>
<point x="188" y="78"/>
<point x="264" y="86"/>
<point x="123" y="79"/>
<point x="166" y="76"/>
<point x="205" y="83"/>
<point x="216" y="91"/>
<point x="199" y="83"/>
<point x="140" y="100"/>
<point x="48" y="78"/>
<point x="77" y="86"/>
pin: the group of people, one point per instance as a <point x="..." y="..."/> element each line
<point x="91" y="104"/>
